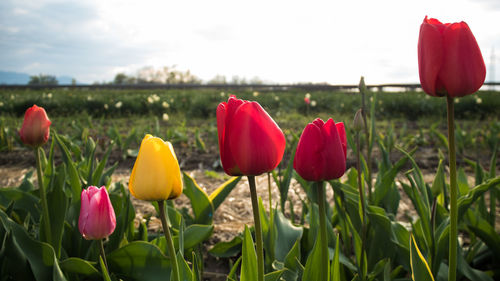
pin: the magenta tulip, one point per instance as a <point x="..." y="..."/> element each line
<point x="36" y="127"/>
<point x="250" y="142"/>
<point x="97" y="217"/>
<point x="321" y="152"/>
<point x="449" y="59"/>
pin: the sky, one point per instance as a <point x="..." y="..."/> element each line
<point x="278" y="41"/>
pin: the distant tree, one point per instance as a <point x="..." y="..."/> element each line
<point x="120" y="79"/>
<point x="43" y="79"/>
<point x="73" y="81"/>
<point x="218" y="79"/>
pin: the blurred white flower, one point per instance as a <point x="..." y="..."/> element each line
<point x="1" y="104"/>
<point x="276" y="98"/>
<point x="119" y="104"/>
<point x="150" y="99"/>
<point x="308" y="96"/>
<point x="156" y="97"/>
<point x="165" y="117"/>
<point x="255" y="94"/>
<point x="49" y="95"/>
<point x="222" y="94"/>
<point x="313" y="103"/>
<point x="457" y="100"/>
<point x="479" y="100"/>
<point x="89" y="98"/>
<point x="11" y="97"/>
<point x="106" y="106"/>
<point x="342" y="105"/>
<point x="371" y="98"/>
<point x="165" y="104"/>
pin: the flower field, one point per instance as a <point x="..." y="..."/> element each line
<point x="406" y="191"/>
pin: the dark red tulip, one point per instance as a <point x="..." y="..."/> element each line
<point x="321" y="152"/>
<point x="36" y="127"/>
<point x="449" y="59"/>
<point x="250" y="142"/>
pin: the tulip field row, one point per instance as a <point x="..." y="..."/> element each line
<point x="402" y="148"/>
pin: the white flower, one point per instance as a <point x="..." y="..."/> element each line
<point x="457" y="100"/>
<point x="119" y="104"/>
<point x="308" y="96"/>
<point x="255" y="94"/>
<point x="89" y="98"/>
<point x="150" y="99"/>
<point x="313" y="103"/>
<point x="342" y="105"/>
<point x="156" y="97"/>
<point x="479" y="100"/>
<point x="1" y="104"/>
<point x="49" y="95"/>
<point x="165" y="117"/>
<point x="222" y="94"/>
<point x="276" y="98"/>
<point x="106" y="106"/>
<point x="165" y="104"/>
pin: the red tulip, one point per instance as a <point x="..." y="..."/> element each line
<point x="321" y="152"/>
<point x="97" y="218"/>
<point x="250" y="142"/>
<point x="35" y="129"/>
<point x="449" y="59"/>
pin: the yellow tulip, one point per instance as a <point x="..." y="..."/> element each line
<point x="156" y="174"/>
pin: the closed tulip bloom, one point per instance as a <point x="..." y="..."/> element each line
<point x="250" y="142"/>
<point x="36" y="127"/>
<point x="97" y="218"/>
<point x="321" y="151"/>
<point x="156" y="174"/>
<point x="449" y="59"/>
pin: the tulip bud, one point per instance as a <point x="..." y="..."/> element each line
<point x="362" y="86"/>
<point x="36" y="127"/>
<point x="250" y="142"/>
<point x="156" y="174"/>
<point x="97" y="217"/>
<point x="321" y="151"/>
<point x="358" y="123"/>
<point x="449" y="59"/>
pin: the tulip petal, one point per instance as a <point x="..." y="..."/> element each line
<point x="257" y="143"/>
<point x="333" y="152"/>
<point x="309" y="161"/>
<point x="430" y="56"/>
<point x="84" y="212"/>
<point x="227" y="160"/>
<point x="463" y="71"/>
<point x="343" y="138"/>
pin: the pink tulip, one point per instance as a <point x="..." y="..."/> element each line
<point x="36" y="127"/>
<point x="321" y="151"/>
<point x="97" y="217"/>
<point x="449" y="59"/>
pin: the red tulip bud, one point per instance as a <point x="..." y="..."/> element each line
<point x="250" y="142"/>
<point x="449" y="59"/>
<point x="321" y="152"/>
<point x="36" y="127"/>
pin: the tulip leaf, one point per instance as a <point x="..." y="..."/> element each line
<point x="185" y="273"/>
<point x="467" y="200"/>
<point x="57" y="202"/>
<point x="335" y="266"/>
<point x="311" y="271"/>
<point x="202" y="206"/>
<point x="105" y="273"/>
<point x="227" y="249"/>
<point x="420" y="270"/>
<point x="220" y="194"/>
<point x="274" y="276"/>
<point x="79" y="266"/>
<point x="24" y="202"/>
<point x="249" y="258"/>
<point x="140" y="260"/>
<point x="41" y="257"/>
<point x="74" y="179"/>
<point x="286" y="235"/>
<point x="195" y="234"/>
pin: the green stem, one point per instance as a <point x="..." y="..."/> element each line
<point x="103" y="254"/>
<point x="452" y="267"/>
<point x="258" y="228"/>
<point x="363" y="210"/>
<point x="43" y="196"/>
<point x="170" y="242"/>
<point x="322" y="228"/>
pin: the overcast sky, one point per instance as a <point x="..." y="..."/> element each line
<point x="334" y="41"/>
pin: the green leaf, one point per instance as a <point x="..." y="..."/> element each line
<point x="286" y="235"/>
<point x="335" y="272"/>
<point x="58" y="203"/>
<point x="195" y="234"/>
<point x="311" y="271"/>
<point x="227" y="249"/>
<point x="485" y="232"/>
<point x="202" y="206"/>
<point x="439" y="183"/>
<point x="41" y="256"/>
<point x="274" y="276"/>
<point x="79" y="266"/>
<point x="249" y="258"/>
<point x="420" y="270"/>
<point x="140" y="260"/>
<point x="24" y="202"/>
<point x="463" y="185"/>
<point x="185" y="273"/>
<point x="220" y="194"/>
<point x="467" y="200"/>
<point x="76" y="187"/>
<point x="105" y="273"/>
<point x="232" y="274"/>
